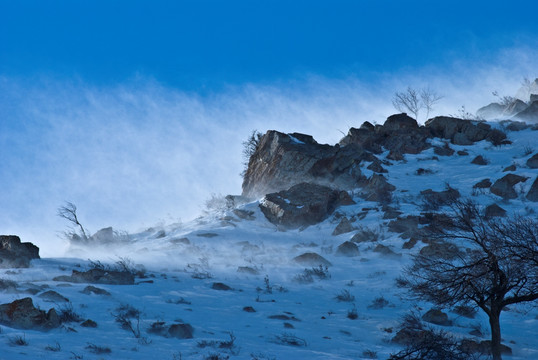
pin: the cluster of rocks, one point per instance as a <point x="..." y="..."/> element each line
<point x="297" y="176"/>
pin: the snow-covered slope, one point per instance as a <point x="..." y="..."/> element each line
<point x="293" y="312"/>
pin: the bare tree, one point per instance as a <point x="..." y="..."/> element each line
<point x="408" y="101"/>
<point x="413" y="101"/>
<point x="497" y="269"/>
<point x="429" y="98"/>
<point x="69" y="212"/>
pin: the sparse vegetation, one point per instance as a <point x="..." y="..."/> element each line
<point x="67" y="314"/>
<point x="353" y="314"/>
<point x="18" y="340"/>
<point x="128" y="317"/>
<point x="307" y="276"/>
<point x="345" y="296"/>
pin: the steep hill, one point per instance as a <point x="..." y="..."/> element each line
<point x="302" y="265"/>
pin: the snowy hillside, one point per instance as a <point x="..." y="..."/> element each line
<point x="237" y="282"/>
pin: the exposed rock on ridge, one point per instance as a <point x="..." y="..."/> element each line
<point x="283" y="160"/>
<point x="16" y="254"/>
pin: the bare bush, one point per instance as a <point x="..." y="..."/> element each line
<point x="249" y="148"/>
<point x="69" y="212"/>
<point x="345" y="296"/>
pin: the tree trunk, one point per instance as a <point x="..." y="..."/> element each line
<point x="495" y="334"/>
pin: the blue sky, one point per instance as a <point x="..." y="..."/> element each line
<point x="200" y="45"/>
<point x="135" y="110"/>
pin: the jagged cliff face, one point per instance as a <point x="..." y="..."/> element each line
<point x="283" y="160"/>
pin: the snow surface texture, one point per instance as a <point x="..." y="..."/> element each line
<point x="293" y="318"/>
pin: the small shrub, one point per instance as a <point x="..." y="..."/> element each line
<point x="18" y="340"/>
<point x="352" y="314"/>
<point x="67" y="314"/>
<point x="98" y="349"/>
<point x="378" y="303"/>
<point x="345" y="296"/>
<point x="124" y="315"/>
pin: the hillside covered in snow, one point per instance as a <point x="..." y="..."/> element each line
<point x="304" y="264"/>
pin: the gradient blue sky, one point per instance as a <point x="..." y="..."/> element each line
<point x="200" y="45"/>
<point x="135" y="110"/>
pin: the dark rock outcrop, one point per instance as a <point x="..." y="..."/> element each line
<point x="283" y="160"/>
<point x="533" y="161"/>
<point x="22" y="314"/>
<point x="479" y="160"/>
<point x="494" y="210"/>
<point x="347" y="248"/>
<point x="302" y="205"/>
<point x="378" y="189"/>
<point x="504" y="187"/>
<point x="463" y="132"/>
<point x="16" y="254"/>
<point x="345" y="226"/>
<point x="482" y="184"/>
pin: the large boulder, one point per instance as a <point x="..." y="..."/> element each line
<point x="22" y="314"/>
<point x="283" y="160"/>
<point x="302" y="205"/>
<point x="504" y="187"/>
<point x="400" y="134"/>
<point x="16" y="254"/>
<point x="378" y="189"/>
